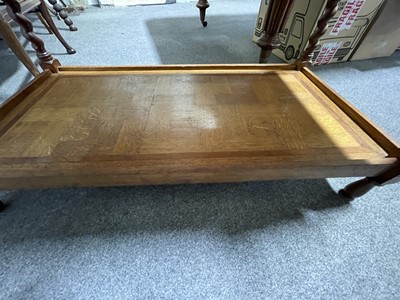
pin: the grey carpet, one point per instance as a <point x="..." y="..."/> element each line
<point x="261" y="240"/>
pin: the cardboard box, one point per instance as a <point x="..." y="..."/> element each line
<point x="344" y="32"/>
<point x="383" y="37"/>
<point x="260" y="20"/>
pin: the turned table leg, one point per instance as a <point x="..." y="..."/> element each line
<point x="305" y="58"/>
<point x="63" y="14"/>
<point x="275" y="19"/>
<point x="363" y="186"/>
<point x="46" y="61"/>
<point x="54" y="29"/>
<point x="202" y="5"/>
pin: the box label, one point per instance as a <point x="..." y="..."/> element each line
<point x="349" y="14"/>
<point x="327" y="53"/>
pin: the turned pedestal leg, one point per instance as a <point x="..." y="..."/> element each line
<point x="305" y="58"/>
<point x="202" y="5"/>
<point x="267" y="43"/>
<point x="275" y="19"/>
<point x="63" y="14"/>
<point x="46" y="61"/>
<point x="363" y="186"/>
<point x="54" y="29"/>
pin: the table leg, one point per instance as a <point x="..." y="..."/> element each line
<point x="363" y="186"/>
<point x="202" y="5"/>
<point x="275" y="19"/>
<point x="63" y="14"/>
<point x="54" y="29"/>
<point x="46" y="61"/>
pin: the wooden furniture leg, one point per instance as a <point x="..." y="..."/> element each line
<point x="202" y="5"/>
<point x="56" y="13"/>
<point x="14" y="44"/>
<point x="276" y="16"/>
<point x="322" y="26"/>
<point x="44" y="22"/>
<point x="363" y="186"/>
<point x="54" y="29"/>
<point x="46" y="61"/>
<point x="63" y="14"/>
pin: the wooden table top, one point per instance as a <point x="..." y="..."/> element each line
<point x="269" y="116"/>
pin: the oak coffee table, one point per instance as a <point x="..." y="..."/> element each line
<point x="137" y="125"/>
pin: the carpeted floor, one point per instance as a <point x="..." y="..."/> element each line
<point x="261" y="240"/>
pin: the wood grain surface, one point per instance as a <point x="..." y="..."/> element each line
<point x="105" y="127"/>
